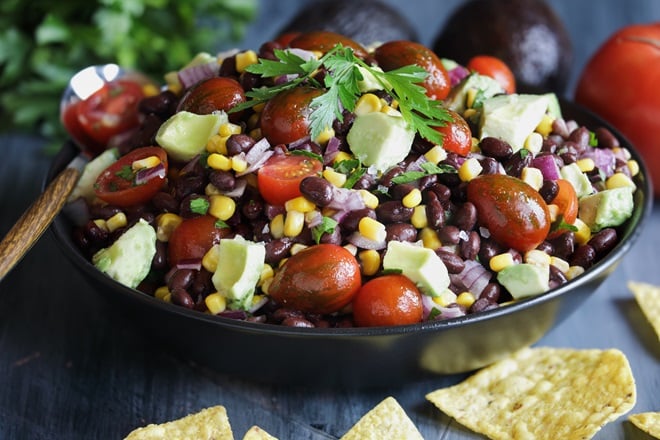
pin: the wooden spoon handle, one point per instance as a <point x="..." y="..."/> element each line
<point x="32" y="224"/>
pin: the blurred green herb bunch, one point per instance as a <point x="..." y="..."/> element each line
<point x="43" y="43"/>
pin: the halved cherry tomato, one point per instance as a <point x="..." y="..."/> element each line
<point x="286" y="38"/>
<point x="117" y="183"/>
<point x="109" y="111"/>
<point x="495" y="68"/>
<point x="388" y="300"/>
<point x="319" y="279"/>
<point x="213" y="94"/>
<point x="515" y="214"/>
<point x="456" y="135"/>
<point x="285" y="118"/>
<point x="279" y="179"/>
<point x="567" y="202"/>
<point x="193" y="238"/>
<point x="395" y="54"/>
<point x="323" y="41"/>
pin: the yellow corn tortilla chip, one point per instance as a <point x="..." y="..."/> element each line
<point x="648" y="298"/>
<point x="208" y="424"/>
<point x="543" y="393"/>
<point x="386" y="420"/>
<point x="256" y="433"/>
<point x="649" y="422"/>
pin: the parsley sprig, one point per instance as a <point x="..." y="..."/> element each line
<point x="341" y="82"/>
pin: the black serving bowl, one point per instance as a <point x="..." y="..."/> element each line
<point x="359" y="357"/>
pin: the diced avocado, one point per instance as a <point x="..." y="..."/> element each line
<point x="185" y="134"/>
<point x="524" y="279"/>
<point x="554" y="109"/>
<point x="607" y="208"/>
<point x="369" y="82"/>
<point x="85" y="185"/>
<point x="580" y="181"/>
<point x="512" y="118"/>
<point x="240" y="263"/>
<point x="380" y="139"/>
<point x="128" y="259"/>
<point x="422" y="265"/>
<point x="486" y="86"/>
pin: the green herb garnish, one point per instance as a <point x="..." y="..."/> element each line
<point x="428" y="168"/>
<point x="221" y="224"/>
<point x="593" y="140"/>
<point x="307" y="154"/>
<point x="126" y="173"/>
<point x="327" y="225"/>
<point x="199" y="205"/>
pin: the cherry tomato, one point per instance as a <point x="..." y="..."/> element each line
<point x="515" y="214"/>
<point x="620" y="83"/>
<point x="219" y="93"/>
<point x="285" y="118"/>
<point x="108" y="112"/>
<point x="323" y="41"/>
<point x="279" y="179"/>
<point x="400" y="53"/>
<point x="388" y="300"/>
<point x="495" y="68"/>
<point x="567" y="202"/>
<point x="456" y="135"/>
<point x="117" y="183"/>
<point x="322" y="278"/>
<point x="193" y="238"/>
<point x="284" y="40"/>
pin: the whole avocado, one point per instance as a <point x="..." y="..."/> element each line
<point x="365" y="21"/>
<point x="525" y="34"/>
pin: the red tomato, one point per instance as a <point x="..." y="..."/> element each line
<point x="456" y="135"/>
<point x="279" y="179"/>
<point x="395" y="54"/>
<point x="284" y="40"/>
<point x="285" y="118"/>
<point x="193" y="238"/>
<point x="323" y="41"/>
<point x="495" y="68"/>
<point x="319" y="279"/>
<point x="109" y="111"/>
<point x="220" y="93"/>
<point x="388" y="300"/>
<point x="515" y="214"/>
<point x="117" y="183"/>
<point x="620" y="83"/>
<point x="567" y="201"/>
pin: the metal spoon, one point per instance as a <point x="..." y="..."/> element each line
<point x="36" y="219"/>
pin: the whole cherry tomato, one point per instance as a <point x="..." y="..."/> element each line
<point x="121" y="185"/>
<point x="567" y="202"/>
<point x="495" y="68"/>
<point x="400" y="53"/>
<point x="279" y="179"/>
<point x="193" y="238"/>
<point x="388" y="300"/>
<point x="285" y="118"/>
<point x="456" y="134"/>
<point x="219" y="93"/>
<point x="323" y="41"/>
<point x="620" y="83"/>
<point x="515" y="213"/>
<point x="322" y="278"/>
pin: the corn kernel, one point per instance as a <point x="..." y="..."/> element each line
<point x="430" y="238"/>
<point x="619" y="180"/>
<point x="165" y="224"/>
<point x="293" y="223"/>
<point x="445" y="298"/>
<point x="560" y="264"/>
<point x="470" y="97"/>
<point x="217" y="144"/>
<point x="586" y="164"/>
<point x="469" y="113"/>
<point x="554" y="212"/>
<point x="533" y="177"/>
<point x="574" y="271"/>
<point x="297" y="247"/>
<point x="258" y="108"/>
<point x="211" y="189"/>
<point x="332" y="176"/>
<point x="228" y="129"/>
<point x="501" y="261"/>
<point x="244" y="59"/>
<point x="436" y="154"/>
<point x="469" y="169"/>
<point x="238" y="164"/>
<point x="211" y="258"/>
<point x="150" y="89"/>
<point x="162" y="292"/>
<point x="341" y="156"/>
<point x="215" y="303"/>
<point x="266" y="273"/>
<point x="475" y="147"/>
<point x="266" y="285"/>
<point x="367" y="103"/>
<point x="418" y="218"/>
<point x="147" y="162"/>
<point x="351" y="248"/>
<point x="545" y="126"/>
<point x="537" y="257"/>
<point x="534" y="142"/>
<point x="277" y="226"/>
<point x="412" y="199"/>
<point x="370" y="261"/>
<point x="300" y="204"/>
<point x="101" y="224"/>
<point x="465" y="299"/>
<point x="583" y="233"/>
<point x="221" y="206"/>
<point x="372" y="229"/>
<point x="116" y="221"/>
<point x="325" y="136"/>
<point x="633" y="166"/>
<point x="219" y="162"/>
<point x="370" y="200"/>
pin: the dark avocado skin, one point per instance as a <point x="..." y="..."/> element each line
<point x="365" y="21"/>
<point x="526" y="34"/>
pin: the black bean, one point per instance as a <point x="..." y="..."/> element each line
<point x="435" y="212"/>
<point x="470" y="247"/>
<point x="164" y="201"/>
<point x="188" y="184"/>
<point x="202" y="283"/>
<point x="488" y="249"/>
<point x="297" y="322"/>
<point x="159" y="261"/>
<point x="489" y="165"/>
<point x="228" y="66"/>
<point x="277" y="249"/>
<point x="342" y="127"/>
<point x="94" y="233"/>
<point x="163" y="104"/>
<point x="481" y="305"/>
<point x="546" y="247"/>
<point x="181" y="279"/>
<point x="495" y="148"/>
<point x="603" y="241"/>
<point x="427" y="181"/>
<point x="517" y="162"/>
<point x="442" y="192"/>
<point x="580" y="136"/>
<point x="398" y="192"/>
<point x="333" y="237"/>
<point x="97" y="211"/>
<point x="557" y="276"/>
<point x="401" y="232"/>
<point x="564" y="245"/>
<point x="449" y="234"/>
<point x="386" y="179"/>
<point x="466" y="216"/>
<point x="223" y="180"/>
<point x="491" y="292"/>
<point x="393" y="211"/>
<point x="605" y="138"/>
<point x="350" y="222"/>
<point x="584" y="256"/>
<point x="283" y="313"/>
<point x="452" y="261"/>
<point x="549" y="190"/>
<point x="182" y="298"/>
<point x="189" y="205"/>
<point x="318" y="190"/>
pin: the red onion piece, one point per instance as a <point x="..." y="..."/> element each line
<point x="146" y="174"/>
<point x="363" y="242"/>
<point x="331" y="150"/>
<point x="345" y="199"/>
<point x="474" y="278"/>
<point x="192" y="75"/>
<point x="457" y="74"/>
<point x="257" y="156"/>
<point x="548" y="166"/>
<point x="190" y="263"/>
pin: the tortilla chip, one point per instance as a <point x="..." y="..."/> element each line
<point x="648" y="298"/>
<point x="256" y="433"/>
<point x="649" y="422"/>
<point x="208" y="424"/>
<point x="543" y="393"/>
<point x="385" y="420"/>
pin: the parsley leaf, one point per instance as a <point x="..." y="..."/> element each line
<point x="125" y="172"/>
<point x="307" y="154"/>
<point x="327" y="225"/>
<point x="199" y="205"/>
<point x="428" y="168"/>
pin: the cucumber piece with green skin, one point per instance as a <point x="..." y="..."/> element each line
<point x="185" y="134"/>
<point x="85" y="186"/>
<point x="422" y="265"/>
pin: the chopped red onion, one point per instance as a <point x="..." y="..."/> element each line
<point x="457" y="74"/>
<point x="295" y="145"/>
<point x="272" y="211"/>
<point x="345" y="199"/>
<point x="257" y="156"/>
<point x="548" y="166"/>
<point x="429" y="305"/>
<point x="146" y="174"/>
<point x="315" y="218"/>
<point x="603" y="158"/>
<point x="331" y="150"/>
<point x="256" y="305"/>
<point x="416" y="165"/>
<point x="194" y="74"/>
<point x="190" y="263"/>
<point x="363" y="242"/>
<point x="474" y="278"/>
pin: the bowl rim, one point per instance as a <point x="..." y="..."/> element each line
<point x="632" y="230"/>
